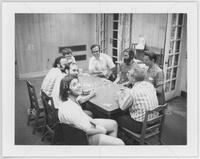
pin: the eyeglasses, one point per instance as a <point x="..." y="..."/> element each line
<point x="94" y="52"/>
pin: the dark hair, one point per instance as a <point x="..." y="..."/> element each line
<point x="66" y="51"/>
<point x="64" y="87"/>
<point x="57" y="61"/>
<point x="151" y="55"/>
<point x="130" y="53"/>
<point x="94" y="45"/>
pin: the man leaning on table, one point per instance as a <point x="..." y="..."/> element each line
<point x="101" y="64"/>
<point x="138" y="100"/>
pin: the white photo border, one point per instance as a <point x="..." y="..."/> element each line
<point x="8" y="80"/>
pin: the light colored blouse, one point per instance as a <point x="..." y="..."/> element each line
<point x="71" y="113"/>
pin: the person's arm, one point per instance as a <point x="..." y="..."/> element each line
<point x="159" y="89"/>
<point x="125" y="99"/>
<point x="82" y="99"/>
<point x="117" y="79"/>
<point x="159" y="82"/>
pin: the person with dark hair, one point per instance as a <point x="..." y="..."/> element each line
<point x="99" y="131"/>
<point x="58" y="70"/>
<point x="101" y="64"/>
<point x="140" y="98"/>
<point x="155" y="75"/>
<point x="72" y="69"/>
<point x="128" y="64"/>
<point x="67" y="52"/>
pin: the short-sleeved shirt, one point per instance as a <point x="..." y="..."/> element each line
<point x="103" y="64"/>
<point x="49" y="80"/>
<point x="139" y="99"/>
<point x="71" y="113"/>
<point x="155" y="75"/>
<point x="56" y="90"/>
<point x="124" y="68"/>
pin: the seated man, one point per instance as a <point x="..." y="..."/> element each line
<point x="127" y="65"/>
<point x="67" y="52"/>
<point x="155" y="75"/>
<point x="101" y="64"/>
<point x="58" y="70"/>
<point x="71" y="69"/>
<point x="138" y="100"/>
<point x="99" y="131"/>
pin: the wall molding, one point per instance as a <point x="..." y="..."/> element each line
<point x="32" y="74"/>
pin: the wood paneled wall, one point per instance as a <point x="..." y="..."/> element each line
<point x="151" y="26"/>
<point x="38" y="36"/>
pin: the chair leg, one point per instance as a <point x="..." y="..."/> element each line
<point x="45" y="134"/>
<point x="36" y="123"/>
<point x="29" y="118"/>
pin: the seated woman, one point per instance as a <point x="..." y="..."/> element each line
<point x="100" y="131"/>
<point x="138" y="100"/>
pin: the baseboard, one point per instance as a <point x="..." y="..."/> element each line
<point x="32" y="74"/>
<point x="184" y="94"/>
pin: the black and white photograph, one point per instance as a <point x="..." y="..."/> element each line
<point x="101" y="79"/>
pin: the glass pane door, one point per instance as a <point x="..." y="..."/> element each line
<point x="114" y="34"/>
<point x="172" y="53"/>
<point x="101" y="27"/>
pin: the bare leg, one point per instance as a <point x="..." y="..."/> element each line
<point x="110" y="125"/>
<point x="89" y="113"/>
<point x="101" y="139"/>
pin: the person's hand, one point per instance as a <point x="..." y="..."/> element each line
<point x="92" y="93"/>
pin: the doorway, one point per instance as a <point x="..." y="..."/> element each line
<point x="173" y="53"/>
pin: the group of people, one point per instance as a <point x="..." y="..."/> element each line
<point x="141" y="92"/>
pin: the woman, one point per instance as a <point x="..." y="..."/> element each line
<point x="100" y="131"/>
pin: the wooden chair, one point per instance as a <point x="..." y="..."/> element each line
<point x="150" y="128"/>
<point x="36" y="108"/>
<point x="60" y="133"/>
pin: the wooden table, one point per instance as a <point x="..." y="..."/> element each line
<point x="104" y="104"/>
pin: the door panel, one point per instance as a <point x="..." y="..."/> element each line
<point x="173" y="50"/>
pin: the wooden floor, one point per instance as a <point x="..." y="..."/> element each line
<point x="174" y="133"/>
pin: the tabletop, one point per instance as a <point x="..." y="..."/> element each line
<point x="106" y="93"/>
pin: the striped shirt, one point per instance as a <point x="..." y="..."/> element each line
<point x="139" y="99"/>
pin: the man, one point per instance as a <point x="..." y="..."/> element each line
<point x="127" y="65"/>
<point x="155" y="75"/>
<point x="58" y="70"/>
<point x="101" y="64"/>
<point x="67" y="52"/>
<point x="138" y="100"/>
<point x="73" y="70"/>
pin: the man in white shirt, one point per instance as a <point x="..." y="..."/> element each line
<point x="58" y="70"/>
<point x="100" y="64"/>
